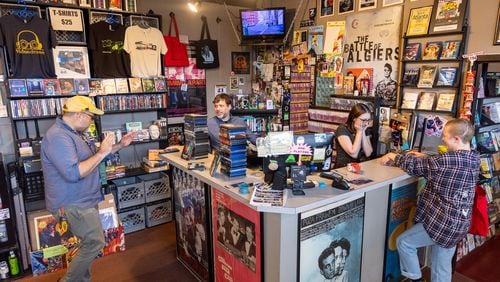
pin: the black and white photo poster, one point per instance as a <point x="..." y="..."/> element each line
<point x="331" y="238"/>
<point x="373" y="42"/>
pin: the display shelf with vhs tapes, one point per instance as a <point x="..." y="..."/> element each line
<point x="485" y="113"/>
<point x="431" y="76"/>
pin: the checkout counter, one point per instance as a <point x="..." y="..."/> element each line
<point x="220" y="236"/>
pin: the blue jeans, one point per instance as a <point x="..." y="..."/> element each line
<point x="86" y="225"/>
<point x="417" y="237"/>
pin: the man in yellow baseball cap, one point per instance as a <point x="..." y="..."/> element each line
<point x="70" y="162"/>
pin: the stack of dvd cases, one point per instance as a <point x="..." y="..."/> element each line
<point x="196" y="132"/>
<point x="233" y="149"/>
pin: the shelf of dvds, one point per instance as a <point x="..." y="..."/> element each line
<point x="432" y="63"/>
<point x="485" y="112"/>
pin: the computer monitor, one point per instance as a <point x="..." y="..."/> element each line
<point x="320" y="160"/>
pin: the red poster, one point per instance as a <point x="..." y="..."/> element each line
<point x="236" y="237"/>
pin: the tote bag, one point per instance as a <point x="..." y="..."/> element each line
<point x="177" y="53"/>
<point x="479" y="221"/>
<point x="207" y="53"/>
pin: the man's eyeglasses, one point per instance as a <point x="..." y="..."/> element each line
<point x="91" y="116"/>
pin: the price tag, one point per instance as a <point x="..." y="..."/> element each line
<point x="4" y="214"/>
<point x="66" y="19"/>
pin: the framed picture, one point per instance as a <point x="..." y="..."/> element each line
<point x="233" y="83"/>
<point x="240" y="62"/>
<point x="447" y="16"/>
<point x="131" y="6"/>
<point x="115" y="4"/>
<point x="84" y="3"/>
<point x="345" y="6"/>
<point x="418" y="22"/>
<point x="71" y="62"/>
<point x="99" y="4"/>
<point x="367" y="5"/>
<point x="386" y="3"/>
<point x="496" y="40"/>
<point x="326" y="8"/>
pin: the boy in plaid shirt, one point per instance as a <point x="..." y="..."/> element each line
<point x="444" y="207"/>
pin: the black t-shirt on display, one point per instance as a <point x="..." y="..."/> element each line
<point x="29" y="44"/>
<point x="106" y="45"/>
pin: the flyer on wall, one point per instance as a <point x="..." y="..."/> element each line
<point x="330" y="233"/>
<point x="192" y="223"/>
<point x="373" y="42"/>
<point x="236" y="239"/>
<point x="402" y="209"/>
<point x="187" y="90"/>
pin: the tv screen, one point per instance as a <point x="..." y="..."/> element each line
<point x="263" y="23"/>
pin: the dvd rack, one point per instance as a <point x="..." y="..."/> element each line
<point x="233" y="150"/>
<point x="431" y="72"/>
<point x="196" y="133"/>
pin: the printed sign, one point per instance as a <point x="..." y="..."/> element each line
<point x="66" y="19"/>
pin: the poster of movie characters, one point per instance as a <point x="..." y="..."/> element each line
<point x="191" y="223"/>
<point x="331" y="239"/>
<point x="372" y="41"/>
<point x="237" y="245"/>
<point x="402" y="208"/>
<point x="186" y="90"/>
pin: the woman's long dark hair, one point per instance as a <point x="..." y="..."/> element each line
<point x="355" y="112"/>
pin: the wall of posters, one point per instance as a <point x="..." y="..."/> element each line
<point x="191" y="219"/>
<point x="237" y="240"/>
<point x="402" y="209"/>
<point x="331" y="240"/>
<point x="187" y="90"/>
<point x="373" y="41"/>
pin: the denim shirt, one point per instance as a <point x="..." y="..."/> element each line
<point x="62" y="151"/>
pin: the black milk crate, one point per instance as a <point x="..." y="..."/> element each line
<point x="156" y="186"/>
<point x="32" y="185"/>
<point x="158" y="213"/>
<point x="133" y="219"/>
<point x="129" y="192"/>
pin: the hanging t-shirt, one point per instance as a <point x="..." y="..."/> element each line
<point x="144" y="46"/>
<point x="29" y="44"/>
<point x="106" y="44"/>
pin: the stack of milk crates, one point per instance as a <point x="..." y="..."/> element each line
<point x="143" y="201"/>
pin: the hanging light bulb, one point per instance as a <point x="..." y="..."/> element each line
<point x="194" y="5"/>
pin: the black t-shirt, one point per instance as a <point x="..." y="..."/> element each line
<point x="29" y="44"/>
<point x="343" y="158"/>
<point x="106" y="45"/>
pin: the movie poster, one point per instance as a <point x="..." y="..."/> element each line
<point x="326" y="8"/>
<point x="372" y="41"/>
<point x="236" y="243"/>
<point x="315" y="39"/>
<point x="191" y="223"/>
<point x="186" y="90"/>
<point x="402" y="209"/>
<point x="331" y="238"/>
<point x="334" y="37"/>
<point x="175" y="134"/>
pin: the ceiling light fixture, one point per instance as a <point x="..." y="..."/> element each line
<point x="194" y="6"/>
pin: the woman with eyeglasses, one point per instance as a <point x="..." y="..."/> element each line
<point x="353" y="143"/>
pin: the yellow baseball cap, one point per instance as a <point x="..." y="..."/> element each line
<point x="78" y="104"/>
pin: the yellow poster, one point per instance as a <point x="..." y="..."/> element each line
<point x="418" y="23"/>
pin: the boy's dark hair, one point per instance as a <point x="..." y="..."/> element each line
<point x="324" y="254"/>
<point x="343" y="243"/>
<point x="222" y="97"/>
<point x="462" y="128"/>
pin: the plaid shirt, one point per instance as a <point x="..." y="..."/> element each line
<point x="445" y="205"/>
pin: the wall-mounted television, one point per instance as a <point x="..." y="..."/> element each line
<point x="263" y="23"/>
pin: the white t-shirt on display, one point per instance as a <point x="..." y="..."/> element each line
<point x="144" y="46"/>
